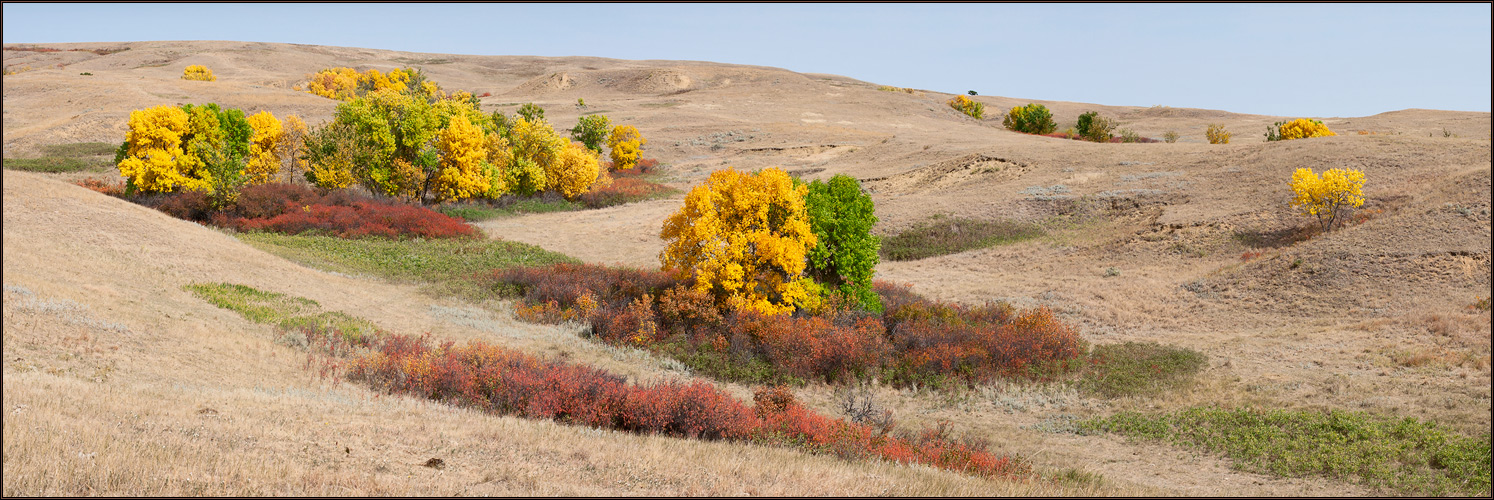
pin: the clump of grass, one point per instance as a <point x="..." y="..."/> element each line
<point x="71" y="157"/>
<point x="1138" y="368"/>
<point x="946" y="236"/>
<point x="438" y="262"/>
<point x="1404" y="455"/>
<point x="284" y="311"/>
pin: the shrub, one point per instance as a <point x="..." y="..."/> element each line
<point x="626" y="144"/>
<point x="1129" y="136"/>
<point x="154" y="143"/>
<point x="1301" y="128"/>
<point x="117" y="189"/>
<point x="345" y="84"/>
<point x="968" y="106"/>
<point x="463" y="173"/>
<point x="1093" y="127"/>
<point x="531" y="112"/>
<point x="1216" y="134"/>
<point x="360" y="219"/>
<point x="624" y="190"/>
<point x="846" y="253"/>
<point x="1130" y="368"/>
<point x="1329" y="196"/>
<point x="744" y="238"/>
<point x="591" y="130"/>
<point x="1170" y="136"/>
<point x="199" y="73"/>
<point x="1030" y="119"/>
<point x="574" y="171"/>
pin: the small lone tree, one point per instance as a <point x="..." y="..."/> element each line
<point x="846" y="256"/>
<point x="591" y="130"/>
<point x="1327" y="197"/>
<point x="627" y="146"/>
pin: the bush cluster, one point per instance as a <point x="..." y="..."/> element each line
<point x="1095" y="128"/>
<point x="1216" y="134"/>
<point x="199" y="73"/>
<point x="498" y="380"/>
<point x="1301" y="128"/>
<point x="912" y="340"/>
<point x="292" y="209"/>
<point x="968" y="106"/>
<point x="1033" y="118"/>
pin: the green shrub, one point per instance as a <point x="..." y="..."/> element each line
<point x="843" y="260"/>
<point x="1095" y="128"/>
<point x="1030" y="119"/>
<point x="1129" y="136"/>
<point x="968" y="106"/>
<point x="591" y="130"/>
<point x="1170" y="136"/>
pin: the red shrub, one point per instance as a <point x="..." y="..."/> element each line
<point x="622" y="190"/>
<point x="116" y="189"/>
<point x="362" y="219"/>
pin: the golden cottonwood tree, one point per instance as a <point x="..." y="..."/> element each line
<point x="627" y="145"/>
<point x="541" y="146"/>
<point x="152" y="162"/>
<point x="1327" y="197"/>
<point x="744" y="238"/>
<point x="464" y="154"/>
<point x="264" y="148"/>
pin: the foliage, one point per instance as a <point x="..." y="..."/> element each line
<point x="1403" y="455"/>
<point x="1095" y="128"/>
<point x="1329" y="196"/>
<point x="947" y="236"/>
<point x="968" y="106"/>
<point x="744" y="239"/>
<point x="626" y="144"/>
<point x="591" y="130"/>
<point x="841" y="216"/>
<point x="529" y="111"/>
<point x="1129" y="136"/>
<point x="1030" y="119"/>
<point x="536" y="150"/>
<point x="1131" y="368"/>
<point x="155" y="146"/>
<point x="264" y="148"/>
<point x="1216" y="134"/>
<point x="346" y="84"/>
<point x="507" y="382"/>
<point x="291" y="149"/>
<point x="358" y="220"/>
<point x="464" y="171"/>
<point x="1301" y="128"/>
<point x="285" y="311"/>
<point x="199" y="73"/>
<point x="574" y="171"/>
<point x="623" y="190"/>
<point x="1170" y="136"/>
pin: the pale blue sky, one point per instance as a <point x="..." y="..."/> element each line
<point x="1319" y="60"/>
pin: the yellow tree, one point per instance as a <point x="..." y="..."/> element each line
<point x="574" y="171"/>
<point x="538" y="143"/>
<point x="627" y="145"/>
<point x="1329" y="196"/>
<point x="264" y="148"/>
<point x="463" y="154"/>
<point x="745" y="239"/>
<point x="153" y="160"/>
<point x="198" y="72"/>
<point x="291" y="146"/>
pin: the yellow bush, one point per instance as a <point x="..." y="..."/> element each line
<point x="627" y="146"/>
<point x="745" y="239"/>
<point x="198" y="72"/>
<point x="1217" y="134"/>
<point x="344" y="84"/>
<point x="1329" y="196"/>
<point x="539" y="143"/>
<point x="463" y="154"/>
<point x="1303" y="128"/>
<point x="574" y="171"/>
<point x="264" y="148"/>
<point x="968" y="106"/>
<point x="153" y="161"/>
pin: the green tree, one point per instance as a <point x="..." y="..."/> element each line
<point x="531" y="112"/>
<point x="591" y="130"/>
<point x="841" y="216"/>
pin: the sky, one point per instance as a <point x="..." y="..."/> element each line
<point x="1293" y="60"/>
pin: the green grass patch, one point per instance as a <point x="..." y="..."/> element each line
<point x="1138" y="368"/>
<point x="444" y="264"/>
<point x="1407" y="456"/>
<point x="70" y="157"/>
<point x="943" y="236"/>
<point x="284" y="311"/>
<point x="509" y="207"/>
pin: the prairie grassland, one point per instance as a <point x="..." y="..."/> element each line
<point x="224" y="410"/>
